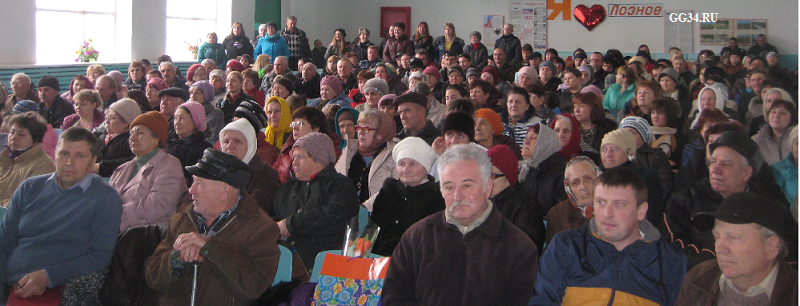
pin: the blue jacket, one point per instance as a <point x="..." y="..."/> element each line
<point x="341" y="99"/>
<point x="273" y="46"/>
<point x="457" y="47"/>
<point x="215" y="52"/>
<point x="785" y="173"/>
<point x="579" y="268"/>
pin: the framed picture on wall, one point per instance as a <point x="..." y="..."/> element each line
<point x="394" y="14"/>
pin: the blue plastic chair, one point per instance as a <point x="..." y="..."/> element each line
<point x="363" y="218"/>
<point x="321" y="257"/>
<point x="284" y="273"/>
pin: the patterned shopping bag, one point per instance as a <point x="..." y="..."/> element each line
<point x="350" y="281"/>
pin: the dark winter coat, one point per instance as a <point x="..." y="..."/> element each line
<point x="521" y="208"/>
<point x="456" y="47"/>
<point x="263" y="183"/>
<point x="398" y="206"/>
<point x="546" y="182"/>
<point x="394" y="45"/>
<point x="513" y="48"/>
<point x="114" y="153"/>
<point x="649" y="157"/>
<point x="316" y="212"/>
<point x="479" y="56"/>
<point x="435" y="264"/>
<point x="245" y="47"/>
<point x="188" y="150"/>
<point x="307" y="90"/>
<point x="228" y="105"/>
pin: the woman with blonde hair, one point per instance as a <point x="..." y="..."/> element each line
<point x="339" y="46"/>
<point x="448" y="42"/>
<point x="94" y="72"/>
<point x="87" y="113"/>
<point x="263" y="65"/>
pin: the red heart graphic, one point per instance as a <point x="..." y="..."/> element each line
<point x="589" y="17"/>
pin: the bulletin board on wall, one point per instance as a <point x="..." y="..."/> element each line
<point x="529" y="19"/>
<point x="745" y="31"/>
<point x="394" y="14"/>
<point x="492" y="29"/>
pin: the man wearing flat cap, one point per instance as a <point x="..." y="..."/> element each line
<point x="412" y="108"/>
<point x="750" y="268"/>
<point x="53" y="107"/>
<point x="224" y="235"/>
<point x="733" y="160"/>
<point x="171" y="98"/>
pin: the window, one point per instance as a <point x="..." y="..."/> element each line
<point x="189" y="21"/>
<point x="63" y="25"/>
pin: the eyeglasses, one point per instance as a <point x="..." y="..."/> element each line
<point x="297" y="124"/>
<point x="496" y="175"/>
<point x="364" y="128"/>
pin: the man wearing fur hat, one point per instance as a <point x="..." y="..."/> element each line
<point x="171" y="98"/>
<point x="223" y="240"/>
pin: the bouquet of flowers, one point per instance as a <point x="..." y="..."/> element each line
<point x="360" y="244"/>
<point x="87" y="53"/>
<point x="193" y="47"/>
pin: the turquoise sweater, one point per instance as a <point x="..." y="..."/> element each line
<point x="615" y="100"/>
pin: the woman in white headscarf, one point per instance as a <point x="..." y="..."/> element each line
<point x="238" y="138"/>
<point x="542" y="170"/>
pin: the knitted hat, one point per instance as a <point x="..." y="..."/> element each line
<point x="589" y="69"/>
<point x="220" y="166"/>
<point x="639" y="59"/>
<point x="458" y="69"/>
<point x="475" y="33"/>
<point x="419" y="75"/>
<point x="387" y="100"/>
<point x="333" y="81"/>
<point x="493" y="118"/>
<point x="432" y="71"/>
<point x="473" y="72"/>
<point x="49" y="81"/>
<point x="377" y="85"/>
<point x="580" y="55"/>
<point x="670" y="72"/>
<point x="126" y="108"/>
<point x="741" y="144"/>
<point x="548" y="64"/>
<point x="207" y="89"/>
<point x="174" y="92"/>
<point x="156" y="122"/>
<point x="198" y="113"/>
<point x="593" y="89"/>
<point x="243" y="126"/>
<point x="530" y="71"/>
<point x="504" y="159"/>
<point x="285" y="82"/>
<point x="158" y="83"/>
<point x="217" y="73"/>
<point x="252" y="112"/>
<point x="344" y="34"/>
<point x="417" y="149"/>
<point x="640" y="125"/>
<point x="493" y="71"/>
<point x="272" y="24"/>
<point x="416" y="63"/>
<point x="235" y="65"/>
<point x="623" y="139"/>
<point x="412" y="97"/>
<point x="460" y="122"/>
<point x="319" y="146"/>
<point x="192" y="69"/>
<point x="25" y="106"/>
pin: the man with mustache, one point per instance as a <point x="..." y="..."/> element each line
<point x="468" y="254"/>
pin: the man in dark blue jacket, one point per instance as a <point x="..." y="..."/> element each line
<point x="618" y="256"/>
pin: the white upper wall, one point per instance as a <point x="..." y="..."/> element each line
<point x="319" y="18"/>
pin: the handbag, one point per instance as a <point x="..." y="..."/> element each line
<point x="350" y="280"/>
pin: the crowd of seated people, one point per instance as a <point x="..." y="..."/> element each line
<point x="572" y="180"/>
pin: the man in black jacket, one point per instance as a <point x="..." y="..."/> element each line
<point x="510" y="44"/>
